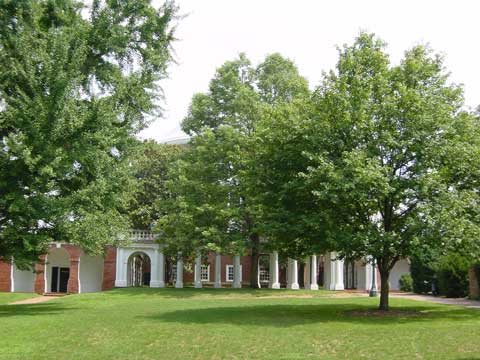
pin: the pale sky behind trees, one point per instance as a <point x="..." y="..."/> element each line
<point x="308" y="32"/>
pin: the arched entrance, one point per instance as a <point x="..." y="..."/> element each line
<point x="138" y="269"/>
<point x="57" y="270"/>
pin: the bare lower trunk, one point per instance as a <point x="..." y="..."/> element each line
<point x="255" y="239"/>
<point x="384" y="290"/>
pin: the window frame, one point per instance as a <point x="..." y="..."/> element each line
<point x="230" y="266"/>
<point x="202" y="269"/>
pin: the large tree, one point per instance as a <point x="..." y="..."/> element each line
<point x="76" y="84"/>
<point x="223" y="123"/>
<point x="387" y="139"/>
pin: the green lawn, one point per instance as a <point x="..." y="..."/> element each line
<point x="6" y="298"/>
<point x="231" y="324"/>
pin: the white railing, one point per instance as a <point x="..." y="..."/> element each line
<point x="142" y="236"/>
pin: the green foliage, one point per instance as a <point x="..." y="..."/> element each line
<point x="476" y="269"/>
<point x="216" y="205"/>
<point x="423" y="276"/>
<point x="151" y="163"/>
<point x="74" y="90"/>
<point x="452" y="273"/>
<point x="204" y="212"/>
<point x="406" y="282"/>
<point x="370" y="166"/>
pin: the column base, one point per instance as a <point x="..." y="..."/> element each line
<point x="198" y="285"/>
<point x="313" y="287"/>
<point x="120" y="283"/>
<point x="157" y="284"/>
<point x="237" y="285"/>
<point x="217" y="285"/>
<point x="179" y="284"/>
<point x="274" y="286"/>
<point x="337" y="287"/>
<point x="293" y="286"/>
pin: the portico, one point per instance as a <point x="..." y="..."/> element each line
<point x="227" y="270"/>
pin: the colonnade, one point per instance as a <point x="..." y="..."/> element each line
<point x="333" y="270"/>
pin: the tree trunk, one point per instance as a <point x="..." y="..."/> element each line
<point x="255" y="239"/>
<point x="384" y="289"/>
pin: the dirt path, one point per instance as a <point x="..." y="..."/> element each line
<point x="440" y="300"/>
<point x="35" y="300"/>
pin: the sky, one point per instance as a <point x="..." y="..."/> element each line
<point x="308" y="32"/>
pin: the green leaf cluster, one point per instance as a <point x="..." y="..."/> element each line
<point x="76" y="84"/>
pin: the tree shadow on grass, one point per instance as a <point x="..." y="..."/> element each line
<point x="272" y="315"/>
<point x="32" y="309"/>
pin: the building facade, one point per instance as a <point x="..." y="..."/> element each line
<point x="67" y="269"/>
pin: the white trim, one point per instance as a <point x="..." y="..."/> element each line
<point x="45" y="265"/>
<point x="233" y="274"/>
<point x="12" y="285"/>
<point x="202" y="268"/>
<point x="78" y="275"/>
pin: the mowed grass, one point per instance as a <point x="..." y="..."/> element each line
<point x="232" y="324"/>
<point x="6" y="298"/>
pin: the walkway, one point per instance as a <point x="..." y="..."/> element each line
<point x="439" y="300"/>
<point x="35" y="300"/>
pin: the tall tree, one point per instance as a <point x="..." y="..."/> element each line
<point x="385" y="139"/>
<point x="226" y="119"/>
<point x="75" y="87"/>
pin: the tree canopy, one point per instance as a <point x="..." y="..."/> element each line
<point x="75" y="87"/>
<point x="385" y="151"/>
<point x="216" y="205"/>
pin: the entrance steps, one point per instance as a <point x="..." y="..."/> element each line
<point x="54" y="294"/>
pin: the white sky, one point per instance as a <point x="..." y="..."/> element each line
<point x="307" y="32"/>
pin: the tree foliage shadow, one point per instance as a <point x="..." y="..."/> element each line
<point x="281" y="315"/>
<point x="33" y="309"/>
<point x="190" y="292"/>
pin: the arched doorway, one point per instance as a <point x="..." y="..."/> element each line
<point x="138" y="269"/>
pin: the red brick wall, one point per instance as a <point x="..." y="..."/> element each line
<point x="5" y="276"/>
<point x="188" y="276"/>
<point x="74" y="252"/>
<point x="39" y="286"/>
<point x="109" y="268"/>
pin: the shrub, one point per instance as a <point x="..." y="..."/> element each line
<point x="406" y="283"/>
<point x="423" y="275"/>
<point x="452" y="271"/>
<point x="476" y="269"/>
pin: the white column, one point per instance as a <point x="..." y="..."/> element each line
<point x="154" y="269"/>
<point x="179" y="280"/>
<point x="218" y="271"/>
<point x="313" y="273"/>
<point x="292" y="274"/>
<point x="121" y="269"/>
<point x="236" y="272"/>
<point x="157" y="270"/>
<point x="307" y="281"/>
<point x="336" y="273"/>
<point x="198" y="270"/>
<point x="161" y="269"/>
<point x="274" y="281"/>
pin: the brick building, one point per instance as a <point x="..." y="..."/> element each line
<point x="66" y="269"/>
